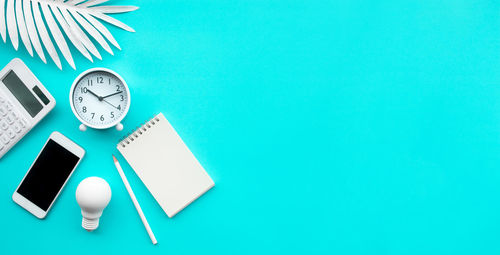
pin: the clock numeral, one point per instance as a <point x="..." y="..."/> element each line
<point x="84" y="89"/>
<point x="90" y="82"/>
<point x="109" y="80"/>
<point x="102" y="118"/>
<point x="117" y="88"/>
<point x="112" y="115"/>
<point x="80" y="99"/>
<point x="100" y="80"/>
<point x="119" y="107"/>
<point x="93" y="114"/>
<point x="121" y="97"/>
<point x="84" y="109"/>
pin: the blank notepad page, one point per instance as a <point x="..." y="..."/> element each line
<point x="165" y="165"/>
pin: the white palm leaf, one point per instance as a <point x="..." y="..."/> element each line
<point x="34" y="22"/>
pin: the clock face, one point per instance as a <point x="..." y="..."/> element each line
<point x="100" y="99"/>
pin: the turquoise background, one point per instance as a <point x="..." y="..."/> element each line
<point x="329" y="127"/>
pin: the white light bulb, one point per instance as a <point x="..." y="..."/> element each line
<point x="93" y="195"/>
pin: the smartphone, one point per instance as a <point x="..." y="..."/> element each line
<point x="48" y="175"/>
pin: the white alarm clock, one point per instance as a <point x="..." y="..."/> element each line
<point x="100" y="99"/>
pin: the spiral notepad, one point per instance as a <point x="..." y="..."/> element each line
<point x="165" y="165"/>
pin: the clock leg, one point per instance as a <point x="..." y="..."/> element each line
<point x="83" y="127"/>
<point x="119" y="126"/>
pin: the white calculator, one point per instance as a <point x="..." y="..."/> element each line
<point x="24" y="101"/>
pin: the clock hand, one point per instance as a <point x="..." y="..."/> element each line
<point x="110" y="103"/>
<point x="112" y="94"/>
<point x="98" y="97"/>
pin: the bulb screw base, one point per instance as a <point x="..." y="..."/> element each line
<point x="90" y="224"/>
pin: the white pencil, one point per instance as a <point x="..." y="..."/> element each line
<point x="132" y="196"/>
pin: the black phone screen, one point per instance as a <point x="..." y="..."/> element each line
<point x="48" y="175"/>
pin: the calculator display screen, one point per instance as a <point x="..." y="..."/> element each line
<point x="22" y="93"/>
<point x="48" y="174"/>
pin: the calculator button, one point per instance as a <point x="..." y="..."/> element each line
<point x="4" y="125"/>
<point x="11" y="133"/>
<point x="1" y="100"/>
<point x="1" y="146"/>
<point x="9" y="106"/>
<point x="16" y="127"/>
<point x="14" y="114"/>
<point x="23" y="123"/>
<point x="10" y="119"/>
<point x="3" y="111"/>
<point x="4" y="139"/>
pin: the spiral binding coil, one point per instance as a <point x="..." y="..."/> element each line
<point x="138" y="131"/>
